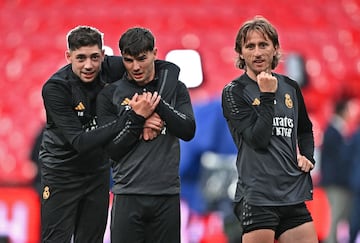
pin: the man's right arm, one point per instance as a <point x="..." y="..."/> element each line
<point x="132" y="124"/>
<point x="58" y="104"/>
<point x="112" y="69"/>
<point x="254" y="127"/>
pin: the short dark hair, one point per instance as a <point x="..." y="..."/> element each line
<point x="341" y="106"/>
<point x="84" y="36"/>
<point x="135" y="41"/>
<point x="262" y="25"/>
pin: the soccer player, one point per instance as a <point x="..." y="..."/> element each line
<point x="74" y="168"/>
<point x="270" y="126"/>
<point x="146" y="154"/>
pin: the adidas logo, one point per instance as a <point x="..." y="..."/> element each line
<point x="126" y="101"/>
<point x="256" y="102"/>
<point x="80" y="107"/>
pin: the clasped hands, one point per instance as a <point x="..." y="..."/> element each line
<point x="145" y="105"/>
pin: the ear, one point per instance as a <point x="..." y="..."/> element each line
<point x="68" y="56"/>
<point x="155" y="51"/>
<point x="102" y="54"/>
<point x="276" y="53"/>
<point x="276" y="50"/>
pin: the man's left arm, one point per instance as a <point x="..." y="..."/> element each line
<point x="305" y="132"/>
<point x="179" y="118"/>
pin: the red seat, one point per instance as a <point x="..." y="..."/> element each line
<point x="319" y="208"/>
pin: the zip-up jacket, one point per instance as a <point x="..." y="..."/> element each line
<point x="139" y="166"/>
<point x="268" y="129"/>
<point x="72" y="141"/>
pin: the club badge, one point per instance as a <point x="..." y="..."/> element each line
<point x="288" y="101"/>
<point x="46" y="193"/>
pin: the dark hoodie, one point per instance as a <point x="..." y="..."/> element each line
<point x="72" y="141"/>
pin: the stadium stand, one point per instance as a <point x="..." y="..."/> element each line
<point x="325" y="32"/>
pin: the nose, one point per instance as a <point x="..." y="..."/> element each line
<point x="88" y="63"/>
<point x="257" y="51"/>
<point x="136" y="65"/>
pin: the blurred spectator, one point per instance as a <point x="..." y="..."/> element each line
<point x="34" y="157"/>
<point x="354" y="154"/>
<point x="212" y="135"/>
<point x="4" y="239"/>
<point x="335" y="168"/>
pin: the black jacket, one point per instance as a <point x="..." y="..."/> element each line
<point x="268" y="130"/>
<point x="72" y="141"/>
<point x="139" y="166"/>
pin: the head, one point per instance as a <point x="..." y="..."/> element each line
<point x="137" y="47"/>
<point x="342" y="108"/>
<point x="257" y="46"/>
<point x="85" y="52"/>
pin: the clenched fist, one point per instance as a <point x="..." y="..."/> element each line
<point x="267" y="82"/>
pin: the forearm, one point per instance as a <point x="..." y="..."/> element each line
<point x="87" y="141"/>
<point x="59" y="109"/>
<point x="259" y="131"/>
<point x="127" y="137"/>
<point x="179" y="123"/>
<point x="306" y="146"/>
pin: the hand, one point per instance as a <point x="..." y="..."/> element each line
<point x="145" y="104"/>
<point x="152" y="127"/>
<point x="304" y="164"/>
<point x="267" y="82"/>
<point x="149" y="134"/>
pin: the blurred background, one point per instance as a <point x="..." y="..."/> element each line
<point x="320" y="45"/>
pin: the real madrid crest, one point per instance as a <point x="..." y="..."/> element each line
<point x="288" y="101"/>
<point x="46" y="193"/>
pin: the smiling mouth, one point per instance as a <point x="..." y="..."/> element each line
<point x="259" y="64"/>
<point x="137" y="75"/>
<point x="88" y="74"/>
<point x="258" y="61"/>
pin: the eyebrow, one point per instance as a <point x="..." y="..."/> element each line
<point x="91" y="55"/>
<point x="141" y="56"/>
<point x="128" y="58"/>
